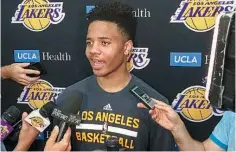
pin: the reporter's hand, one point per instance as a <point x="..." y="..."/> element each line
<point x="164" y="115"/>
<point x="17" y="73"/>
<point x="63" y="145"/>
<point x="27" y="135"/>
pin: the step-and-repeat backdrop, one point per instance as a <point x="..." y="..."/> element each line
<point x="171" y="52"/>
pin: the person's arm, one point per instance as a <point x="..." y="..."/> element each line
<point x="4" y="72"/>
<point x="17" y="73"/>
<point x="184" y="141"/>
<point x="222" y="137"/>
<point x="209" y="145"/>
<point x="166" y="117"/>
<point x="27" y="135"/>
<point x="160" y="139"/>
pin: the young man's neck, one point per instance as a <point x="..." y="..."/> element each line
<point x="115" y="81"/>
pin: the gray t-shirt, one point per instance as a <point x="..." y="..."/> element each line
<point x="116" y="114"/>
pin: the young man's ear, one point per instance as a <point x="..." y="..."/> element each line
<point x="128" y="47"/>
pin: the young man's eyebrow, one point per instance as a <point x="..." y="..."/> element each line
<point x="88" y="38"/>
<point x="101" y="38"/>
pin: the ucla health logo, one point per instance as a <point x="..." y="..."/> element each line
<point x="26" y="56"/>
<point x="37" y="15"/>
<point x="138" y="59"/>
<point x="185" y="59"/>
<point x="200" y="15"/>
<point x="39" y="93"/>
<point x="193" y="106"/>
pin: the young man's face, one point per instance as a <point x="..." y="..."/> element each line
<point x="106" y="48"/>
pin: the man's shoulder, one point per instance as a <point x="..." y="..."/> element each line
<point x="229" y="115"/>
<point x="228" y="119"/>
<point x="82" y="85"/>
<point x="149" y="90"/>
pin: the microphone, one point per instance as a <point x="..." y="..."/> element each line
<point x="40" y="118"/>
<point x="112" y="144"/>
<point x="66" y="120"/>
<point x="70" y="103"/>
<point x="9" y="117"/>
<point x="144" y="98"/>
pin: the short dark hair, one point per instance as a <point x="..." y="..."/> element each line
<point x="118" y="13"/>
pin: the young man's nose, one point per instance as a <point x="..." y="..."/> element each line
<point x="95" y="49"/>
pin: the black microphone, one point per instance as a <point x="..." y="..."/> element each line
<point x="70" y="103"/>
<point x="9" y="117"/>
<point x="112" y="144"/>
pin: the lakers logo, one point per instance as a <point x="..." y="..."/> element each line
<point x="39" y="93"/>
<point x="137" y="59"/>
<point x="4" y="131"/>
<point x="130" y="64"/>
<point x="37" y="122"/>
<point x="193" y="106"/>
<point x="37" y="15"/>
<point x="200" y="15"/>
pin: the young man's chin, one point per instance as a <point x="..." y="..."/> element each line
<point x="99" y="73"/>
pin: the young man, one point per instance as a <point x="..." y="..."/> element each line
<point x="108" y="108"/>
<point x="221" y="139"/>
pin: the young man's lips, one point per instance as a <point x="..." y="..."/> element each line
<point x="97" y="64"/>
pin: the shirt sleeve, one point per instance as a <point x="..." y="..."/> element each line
<point x="160" y="139"/>
<point x="221" y="133"/>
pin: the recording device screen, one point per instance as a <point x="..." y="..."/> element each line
<point x="37" y="66"/>
<point x="144" y="98"/>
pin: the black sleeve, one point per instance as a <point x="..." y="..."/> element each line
<point x="160" y="139"/>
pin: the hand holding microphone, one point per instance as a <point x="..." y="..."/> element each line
<point x="164" y="115"/>
<point x="40" y="118"/>
<point x="69" y="103"/>
<point x="8" y="120"/>
<point x="63" y="145"/>
<point x="27" y="135"/>
<point x="161" y="113"/>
